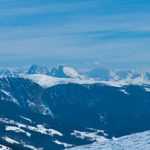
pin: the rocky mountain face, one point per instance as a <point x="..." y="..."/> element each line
<point x="37" y="69"/>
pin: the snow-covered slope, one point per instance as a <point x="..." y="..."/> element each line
<point x="48" y="81"/>
<point x="70" y="72"/>
<point x="137" y="141"/>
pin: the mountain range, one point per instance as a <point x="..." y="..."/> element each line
<point x="65" y="109"/>
<point x="101" y="73"/>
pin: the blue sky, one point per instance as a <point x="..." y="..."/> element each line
<point x="115" y="33"/>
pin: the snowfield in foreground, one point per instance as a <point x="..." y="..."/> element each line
<point x="137" y="141"/>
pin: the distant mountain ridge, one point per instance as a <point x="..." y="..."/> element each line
<point x="98" y="74"/>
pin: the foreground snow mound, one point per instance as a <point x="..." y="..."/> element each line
<point x="137" y="141"/>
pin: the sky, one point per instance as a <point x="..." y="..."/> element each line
<point x="115" y="33"/>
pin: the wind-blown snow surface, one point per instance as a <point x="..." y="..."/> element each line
<point x="137" y="141"/>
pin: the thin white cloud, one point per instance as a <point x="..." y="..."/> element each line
<point x="46" y="8"/>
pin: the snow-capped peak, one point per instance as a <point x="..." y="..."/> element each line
<point x="71" y="72"/>
<point x="64" y="72"/>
